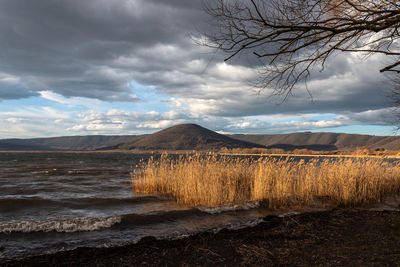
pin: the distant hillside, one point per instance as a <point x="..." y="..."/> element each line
<point x="90" y="142"/>
<point x="186" y="137"/>
<point x="195" y="137"/>
<point x="321" y="141"/>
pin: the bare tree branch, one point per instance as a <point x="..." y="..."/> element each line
<point x="291" y="37"/>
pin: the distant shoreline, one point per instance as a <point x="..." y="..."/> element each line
<point x="201" y="152"/>
<point x="317" y="155"/>
<point x="64" y="151"/>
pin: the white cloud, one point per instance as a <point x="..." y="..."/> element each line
<point x="53" y="122"/>
<point x="8" y="78"/>
<point x="14" y="120"/>
<point x="70" y="101"/>
<point x="34" y="122"/>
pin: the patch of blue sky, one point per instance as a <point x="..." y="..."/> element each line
<point x="363" y="129"/>
<point x="150" y="99"/>
<point x="310" y="117"/>
<point x="36" y="102"/>
<point x="294" y="117"/>
<point x="323" y="117"/>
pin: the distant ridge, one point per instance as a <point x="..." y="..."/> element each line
<point x="186" y="137"/>
<point x="65" y="143"/>
<point x="195" y="137"/>
<point x="322" y="141"/>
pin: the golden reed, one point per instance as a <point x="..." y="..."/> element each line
<point x="209" y="180"/>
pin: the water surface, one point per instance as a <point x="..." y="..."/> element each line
<point x="59" y="201"/>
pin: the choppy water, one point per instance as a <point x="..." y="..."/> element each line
<point x="60" y="201"/>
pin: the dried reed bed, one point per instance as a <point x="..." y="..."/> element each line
<point x="209" y="180"/>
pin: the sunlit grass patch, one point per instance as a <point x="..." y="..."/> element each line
<point x="209" y="180"/>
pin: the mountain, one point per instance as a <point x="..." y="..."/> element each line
<point x="186" y="137"/>
<point x="195" y="137"/>
<point x="90" y="142"/>
<point x="321" y="141"/>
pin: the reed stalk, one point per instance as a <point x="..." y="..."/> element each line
<point x="209" y="180"/>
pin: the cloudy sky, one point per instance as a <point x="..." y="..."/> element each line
<point x="74" y="67"/>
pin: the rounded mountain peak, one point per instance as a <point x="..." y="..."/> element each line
<point x="186" y="137"/>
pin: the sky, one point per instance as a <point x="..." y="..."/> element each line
<point x="117" y="67"/>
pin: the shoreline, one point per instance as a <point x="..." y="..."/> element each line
<point x="179" y="152"/>
<point x="316" y="155"/>
<point x="338" y="237"/>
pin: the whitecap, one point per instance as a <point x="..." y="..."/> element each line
<point x="220" y="209"/>
<point x="62" y="225"/>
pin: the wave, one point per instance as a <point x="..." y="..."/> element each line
<point x="15" y="204"/>
<point x="158" y="217"/>
<point x="117" y="222"/>
<point x="66" y="225"/>
<point x="238" y="225"/>
<point x="96" y="223"/>
<point x="220" y="209"/>
<point x="73" y="173"/>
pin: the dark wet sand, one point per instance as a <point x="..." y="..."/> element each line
<point x="341" y="237"/>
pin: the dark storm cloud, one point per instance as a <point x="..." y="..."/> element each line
<point x="70" y="46"/>
<point x="94" y="48"/>
<point x="10" y="91"/>
<point x="347" y="85"/>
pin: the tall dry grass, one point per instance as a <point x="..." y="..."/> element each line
<point x="206" y="180"/>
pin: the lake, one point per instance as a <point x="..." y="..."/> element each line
<point x="59" y="201"/>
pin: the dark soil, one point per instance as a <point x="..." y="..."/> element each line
<point x="332" y="238"/>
